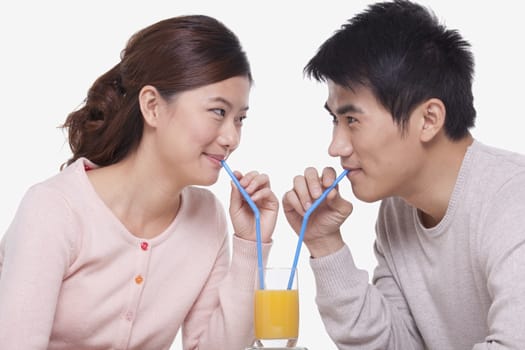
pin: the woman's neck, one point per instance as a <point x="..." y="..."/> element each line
<point x="140" y="195"/>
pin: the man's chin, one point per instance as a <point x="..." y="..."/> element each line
<point x="366" y="196"/>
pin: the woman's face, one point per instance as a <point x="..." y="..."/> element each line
<point x="199" y="128"/>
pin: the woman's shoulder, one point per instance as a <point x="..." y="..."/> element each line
<point x="65" y="188"/>
<point x="65" y="178"/>
<point x="201" y="199"/>
<point x="201" y="208"/>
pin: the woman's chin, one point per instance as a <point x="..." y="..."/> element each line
<point x="209" y="181"/>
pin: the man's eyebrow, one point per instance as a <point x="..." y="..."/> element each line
<point x="344" y="109"/>
<point x="226" y="102"/>
<point x="327" y="108"/>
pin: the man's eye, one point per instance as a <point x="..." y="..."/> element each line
<point x="351" y="120"/>
<point x="334" y="120"/>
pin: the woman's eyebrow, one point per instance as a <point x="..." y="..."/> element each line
<point x="226" y="102"/>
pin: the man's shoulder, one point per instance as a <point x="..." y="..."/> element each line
<point x="394" y="208"/>
<point x="486" y="155"/>
<point x="494" y="167"/>
<point x="394" y="203"/>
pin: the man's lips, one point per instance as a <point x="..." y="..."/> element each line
<point x="351" y="168"/>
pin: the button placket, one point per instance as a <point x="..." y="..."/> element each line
<point x="144" y="259"/>
<point x="143" y="254"/>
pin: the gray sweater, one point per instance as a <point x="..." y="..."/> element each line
<point x="458" y="285"/>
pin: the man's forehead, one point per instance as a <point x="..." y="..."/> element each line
<point x="342" y="99"/>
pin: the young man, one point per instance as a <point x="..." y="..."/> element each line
<point x="450" y="234"/>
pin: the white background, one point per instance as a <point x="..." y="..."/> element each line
<point x="51" y="52"/>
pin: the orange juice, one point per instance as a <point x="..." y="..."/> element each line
<point x="276" y="314"/>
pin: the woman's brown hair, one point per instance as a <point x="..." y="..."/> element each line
<point x="173" y="55"/>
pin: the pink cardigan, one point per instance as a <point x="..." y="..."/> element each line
<point x="73" y="277"/>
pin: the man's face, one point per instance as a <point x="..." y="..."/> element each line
<point x="382" y="160"/>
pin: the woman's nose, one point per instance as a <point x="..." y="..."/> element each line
<point x="229" y="136"/>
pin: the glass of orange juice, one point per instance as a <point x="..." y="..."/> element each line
<point x="276" y="313"/>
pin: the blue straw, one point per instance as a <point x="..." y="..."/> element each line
<point x="257" y="221"/>
<point x="305" y="222"/>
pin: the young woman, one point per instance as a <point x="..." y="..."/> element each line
<point x="123" y="247"/>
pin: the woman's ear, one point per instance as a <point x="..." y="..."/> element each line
<point x="433" y="118"/>
<point x="149" y="101"/>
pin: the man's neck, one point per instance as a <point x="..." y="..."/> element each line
<point x="432" y="192"/>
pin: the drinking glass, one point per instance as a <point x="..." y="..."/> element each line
<point x="276" y="313"/>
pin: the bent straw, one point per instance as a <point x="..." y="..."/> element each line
<point x="305" y="222"/>
<point x="257" y="221"/>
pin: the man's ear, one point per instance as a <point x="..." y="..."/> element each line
<point x="150" y="101"/>
<point x="433" y="113"/>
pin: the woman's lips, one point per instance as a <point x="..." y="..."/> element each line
<point x="215" y="158"/>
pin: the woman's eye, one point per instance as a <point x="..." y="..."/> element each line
<point x="240" y="119"/>
<point x="219" y="111"/>
<point x="334" y="120"/>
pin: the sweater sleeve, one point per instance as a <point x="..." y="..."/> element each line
<point x="37" y="250"/>
<point x="222" y="316"/>
<point x="501" y="242"/>
<point x="360" y="315"/>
